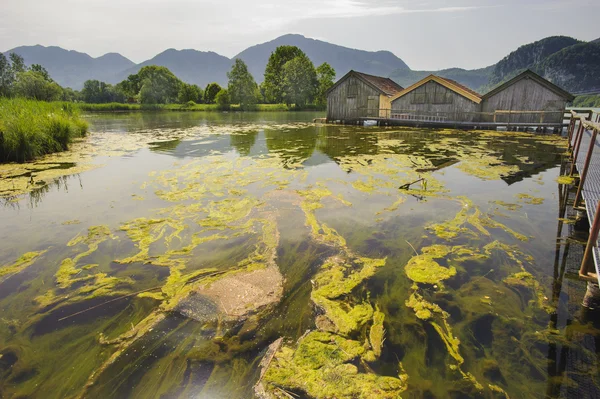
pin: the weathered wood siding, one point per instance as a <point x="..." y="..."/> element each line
<point x="525" y="95"/>
<point x="433" y="99"/>
<point x="385" y="105"/>
<point x="343" y="104"/>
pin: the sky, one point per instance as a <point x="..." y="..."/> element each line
<point x="427" y="35"/>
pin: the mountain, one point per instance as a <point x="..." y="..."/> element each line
<point x="576" y="67"/>
<point x="529" y="55"/>
<point x="473" y="78"/>
<point x="71" y="68"/>
<point x="191" y="66"/>
<point x="342" y="59"/>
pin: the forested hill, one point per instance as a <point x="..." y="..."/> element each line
<point x="570" y="63"/>
<point x="191" y="66"/>
<point x="71" y="68"/>
<point x="342" y="59"/>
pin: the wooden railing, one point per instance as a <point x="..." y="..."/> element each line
<point x="581" y="121"/>
<point x="498" y="116"/>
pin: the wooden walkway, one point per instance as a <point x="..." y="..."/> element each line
<point x="585" y="145"/>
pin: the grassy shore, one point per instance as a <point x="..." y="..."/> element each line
<point x="119" y="107"/>
<point x="30" y="129"/>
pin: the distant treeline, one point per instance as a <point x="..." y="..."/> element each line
<point x="290" y="78"/>
<point x="587" y="101"/>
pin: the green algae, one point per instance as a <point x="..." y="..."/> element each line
<point x="530" y="199"/>
<point x="567" y="179"/>
<point x="321" y="366"/>
<point x="377" y="332"/>
<point x="507" y="205"/>
<point x="22" y="263"/>
<point x="424" y="269"/>
<point x="526" y="279"/>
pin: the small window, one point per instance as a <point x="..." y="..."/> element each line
<point x="352" y="89"/>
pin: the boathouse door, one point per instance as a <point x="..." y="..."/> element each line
<point x="373" y="106"/>
<point x="351" y="111"/>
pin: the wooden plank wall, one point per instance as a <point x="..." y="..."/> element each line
<point x="342" y="107"/>
<point x="459" y="110"/>
<point x="525" y="95"/>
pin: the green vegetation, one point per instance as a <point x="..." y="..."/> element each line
<point x="210" y="93"/>
<point x="98" y="92"/>
<point x="242" y="88"/>
<point x="30" y="129"/>
<point x="587" y="101"/>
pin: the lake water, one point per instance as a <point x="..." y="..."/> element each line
<point x="214" y="235"/>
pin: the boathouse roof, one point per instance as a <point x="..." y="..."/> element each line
<point x="529" y="74"/>
<point x="385" y="86"/>
<point x="448" y="83"/>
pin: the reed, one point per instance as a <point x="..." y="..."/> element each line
<point x="30" y="129"/>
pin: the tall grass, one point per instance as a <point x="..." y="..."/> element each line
<point x="30" y="129"/>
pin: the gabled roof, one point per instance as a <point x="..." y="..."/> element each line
<point x="447" y="83"/>
<point x="529" y="74"/>
<point x="385" y="86"/>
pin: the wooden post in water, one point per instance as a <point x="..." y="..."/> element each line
<point x="577" y="146"/>
<point x="588" y="254"/>
<point x="586" y="166"/>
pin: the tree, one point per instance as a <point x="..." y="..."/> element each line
<point x="211" y="92"/>
<point x="18" y="64"/>
<point x="273" y="84"/>
<point x="152" y="85"/>
<point x="189" y="92"/>
<point x="242" y="88"/>
<point x="33" y="85"/>
<point x="299" y="81"/>
<point x="98" y="92"/>
<point x="42" y="71"/>
<point x="325" y="78"/>
<point x="7" y="77"/>
<point x="222" y="99"/>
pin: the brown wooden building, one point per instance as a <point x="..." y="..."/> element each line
<point x="436" y="99"/>
<point x="358" y="95"/>
<point x="527" y="93"/>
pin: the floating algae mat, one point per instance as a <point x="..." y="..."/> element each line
<point x="178" y="255"/>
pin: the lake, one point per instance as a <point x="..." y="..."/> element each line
<point x="167" y="254"/>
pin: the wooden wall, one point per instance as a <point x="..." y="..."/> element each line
<point x="342" y="105"/>
<point x="525" y="95"/>
<point x="432" y="98"/>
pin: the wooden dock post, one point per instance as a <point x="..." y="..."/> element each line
<point x="578" y="138"/>
<point x="584" y="270"/>
<point x="586" y="166"/>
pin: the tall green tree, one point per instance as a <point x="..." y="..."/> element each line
<point x="98" y="92"/>
<point x="7" y="76"/>
<point x="242" y="88"/>
<point x="152" y="85"/>
<point x="17" y="62"/>
<point x="42" y="71"/>
<point x="222" y="99"/>
<point x="299" y="81"/>
<point x="272" y="86"/>
<point x="210" y="93"/>
<point x="325" y="78"/>
<point x="189" y="92"/>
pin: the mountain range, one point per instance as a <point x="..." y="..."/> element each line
<point x="570" y="63"/>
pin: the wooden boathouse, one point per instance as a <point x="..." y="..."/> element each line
<point x="436" y="98"/>
<point x="526" y="101"/>
<point x="358" y="95"/>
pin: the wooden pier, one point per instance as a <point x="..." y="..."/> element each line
<point x="499" y="119"/>
<point x="584" y="148"/>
